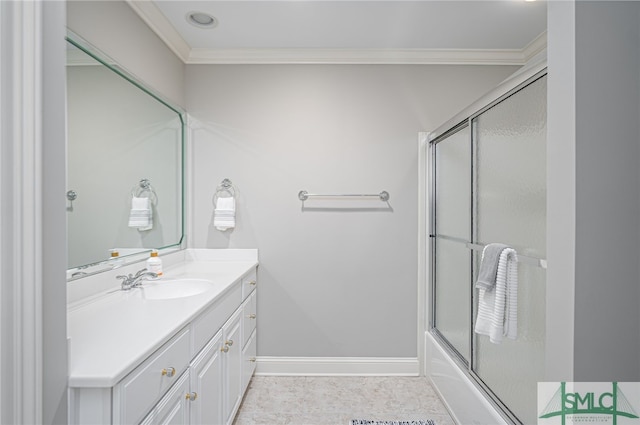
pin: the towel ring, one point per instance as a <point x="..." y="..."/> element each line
<point x="225" y="187"/>
<point x="144" y="190"/>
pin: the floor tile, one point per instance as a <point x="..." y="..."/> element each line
<point x="275" y="400"/>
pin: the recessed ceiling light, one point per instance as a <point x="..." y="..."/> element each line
<point x="201" y="20"/>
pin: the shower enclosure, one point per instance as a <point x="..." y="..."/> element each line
<point x="487" y="183"/>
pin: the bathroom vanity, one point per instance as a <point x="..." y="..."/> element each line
<point x="179" y="350"/>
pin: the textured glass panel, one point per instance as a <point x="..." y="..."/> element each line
<point x="513" y="368"/>
<point x="511" y="171"/>
<point x="453" y="219"/>
<point x="453" y="295"/>
<point x="510" y="193"/>
<point x="453" y="185"/>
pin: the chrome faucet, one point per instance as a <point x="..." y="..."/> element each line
<point x="131" y="281"/>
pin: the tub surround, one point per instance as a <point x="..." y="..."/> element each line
<point x="112" y="332"/>
<point x="464" y="402"/>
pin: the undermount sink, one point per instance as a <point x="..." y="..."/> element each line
<point x="174" y="288"/>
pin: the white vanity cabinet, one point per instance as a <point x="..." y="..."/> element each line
<point x="215" y="376"/>
<point x="198" y="376"/>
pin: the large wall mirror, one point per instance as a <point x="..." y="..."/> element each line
<point x="125" y="149"/>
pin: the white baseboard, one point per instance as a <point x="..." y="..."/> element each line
<point x="332" y="366"/>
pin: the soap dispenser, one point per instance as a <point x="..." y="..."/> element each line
<point x="114" y="258"/>
<point x="154" y="264"/>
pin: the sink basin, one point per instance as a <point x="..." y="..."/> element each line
<point x="174" y="288"/>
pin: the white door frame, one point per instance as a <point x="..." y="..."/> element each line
<point x="32" y="229"/>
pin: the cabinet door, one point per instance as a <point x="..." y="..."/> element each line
<point x="207" y="382"/>
<point x="248" y="361"/>
<point x="232" y="345"/>
<point x="173" y="408"/>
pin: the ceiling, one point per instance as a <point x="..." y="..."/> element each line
<point x="351" y="31"/>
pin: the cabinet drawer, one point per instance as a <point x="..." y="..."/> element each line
<point x="249" y="283"/>
<point x="208" y="323"/>
<point x="248" y="317"/>
<point x="248" y="361"/>
<point x="172" y="408"/>
<point x="136" y="394"/>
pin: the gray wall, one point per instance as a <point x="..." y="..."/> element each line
<point x="337" y="278"/>
<point x="607" y="317"/>
<point x="114" y="28"/>
<point x="593" y="300"/>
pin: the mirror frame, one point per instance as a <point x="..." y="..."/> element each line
<point x="80" y="272"/>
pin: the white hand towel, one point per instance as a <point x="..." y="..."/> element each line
<point x="141" y="215"/>
<point x="224" y="216"/>
<point x="497" y="309"/>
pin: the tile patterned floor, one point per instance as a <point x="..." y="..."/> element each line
<point x="279" y="400"/>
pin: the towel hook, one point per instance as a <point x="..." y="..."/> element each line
<point x="71" y="196"/>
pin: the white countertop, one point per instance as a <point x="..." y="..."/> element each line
<point x="112" y="333"/>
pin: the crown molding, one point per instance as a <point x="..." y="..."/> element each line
<point x="536" y="46"/>
<point x="357" y="56"/>
<point x="153" y="17"/>
<point x="158" y="23"/>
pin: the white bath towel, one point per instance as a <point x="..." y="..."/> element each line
<point x="498" y="308"/>
<point x="141" y="215"/>
<point x="224" y="215"/>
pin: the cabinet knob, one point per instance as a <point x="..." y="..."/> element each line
<point x="229" y="342"/>
<point x="225" y="348"/>
<point x="253" y="282"/>
<point x="252" y="359"/>
<point x="169" y="372"/>
<point x="251" y="316"/>
<point x="191" y="396"/>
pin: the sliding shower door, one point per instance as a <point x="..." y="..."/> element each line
<point x="489" y="185"/>
<point x="510" y="147"/>
<point x="453" y="230"/>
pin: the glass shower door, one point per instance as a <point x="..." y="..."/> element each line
<point x="489" y="185"/>
<point x="510" y="207"/>
<point x="452" y="231"/>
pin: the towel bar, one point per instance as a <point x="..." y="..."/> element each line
<point x="525" y="259"/>
<point x="303" y="195"/>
